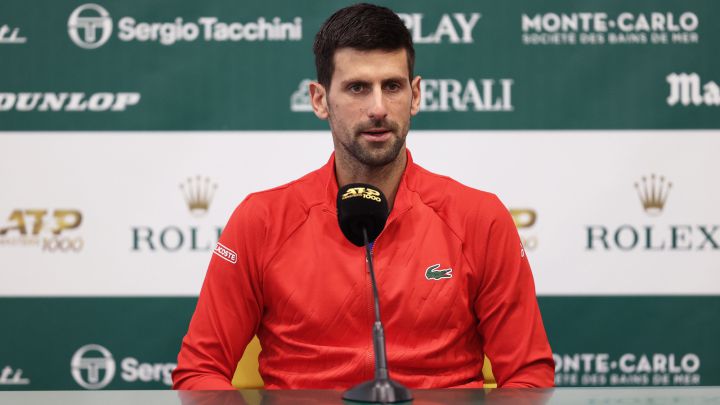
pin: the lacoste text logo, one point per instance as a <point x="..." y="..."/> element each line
<point x="225" y="252"/>
<point x="432" y="273"/>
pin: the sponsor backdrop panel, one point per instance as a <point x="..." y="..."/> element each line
<point x="147" y="224"/>
<point x="104" y="232"/>
<point x="601" y="212"/>
<point x="135" y="65"/>
<point x="626" y="212"/>
<point x="91" y="343"/>
<point x="633" y="341"/>
<point x="132" y="213"/>
<point x="132" y="343"/>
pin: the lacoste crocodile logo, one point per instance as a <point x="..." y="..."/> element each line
<point x="432" y="273"/>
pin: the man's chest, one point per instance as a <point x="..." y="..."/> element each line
<point x="319" y="281"/>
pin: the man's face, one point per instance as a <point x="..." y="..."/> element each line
<point x="369" y="104"/>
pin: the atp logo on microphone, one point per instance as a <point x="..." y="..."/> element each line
<point x="363" y="192"/>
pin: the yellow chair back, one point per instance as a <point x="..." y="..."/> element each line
<point x="247" y="375"/>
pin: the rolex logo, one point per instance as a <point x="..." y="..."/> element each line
<point x="653" y="192"/>
<point x="198" y="193"/>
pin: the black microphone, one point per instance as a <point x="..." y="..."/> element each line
<point x="362" y="212"/>
<point x="361" y="206"/>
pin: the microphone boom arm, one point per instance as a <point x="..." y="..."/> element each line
<point x="381" y="371"/>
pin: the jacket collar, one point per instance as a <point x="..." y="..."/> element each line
<point x="403" y="200"/>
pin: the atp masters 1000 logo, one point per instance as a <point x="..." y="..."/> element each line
<point x="367" y="193"/>
<point x="524" y="219"/>
<point x="53" y="230"/>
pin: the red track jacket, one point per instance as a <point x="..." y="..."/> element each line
<point x="453" y="278"/>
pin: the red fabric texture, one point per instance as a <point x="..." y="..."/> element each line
<point x="305" y="291"/>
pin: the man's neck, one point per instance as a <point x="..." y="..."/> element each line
<point x="386" y="178"/>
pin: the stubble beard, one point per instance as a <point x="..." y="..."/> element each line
<point x="375" y="154"/>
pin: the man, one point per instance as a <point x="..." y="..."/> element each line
<point x="454" y="280"/>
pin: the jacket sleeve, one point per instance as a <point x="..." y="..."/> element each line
<point x="509" y="318"/>
<point x="229" y="307"/>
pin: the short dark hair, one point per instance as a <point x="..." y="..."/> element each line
<point x="361" y="26"/>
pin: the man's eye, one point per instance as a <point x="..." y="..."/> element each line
<point x="356" y="88"/>
<point x="392" y="86"/>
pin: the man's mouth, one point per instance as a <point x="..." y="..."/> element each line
<point x="377" y="134"/>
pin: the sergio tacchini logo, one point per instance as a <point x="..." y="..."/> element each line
<point x="92" y="367"/>
<point x="94" y="22"/>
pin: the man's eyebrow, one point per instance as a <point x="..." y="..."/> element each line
<point x="394" y="79"/>
<point x="398" y="79"/>
<point x="353" y="81"/>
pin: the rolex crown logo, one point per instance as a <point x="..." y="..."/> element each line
<point x="198" y="193"/>
<point x="653" y="192"/>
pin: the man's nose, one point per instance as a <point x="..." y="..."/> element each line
<point x="378" y="107"/>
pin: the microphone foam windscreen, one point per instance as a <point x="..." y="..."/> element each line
<point x="361" y="205"/>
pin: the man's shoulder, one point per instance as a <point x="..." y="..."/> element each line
<point x="471" y="214"/>
<point x="297" y="196"/>
<point x="265" y="220"/>
<point x="445" y="194"/>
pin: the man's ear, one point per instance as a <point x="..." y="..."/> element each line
<point x="415" y="87"/>
<point x="318" y="98"/>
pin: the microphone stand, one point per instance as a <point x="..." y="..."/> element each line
<point x="382" y="389"/>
